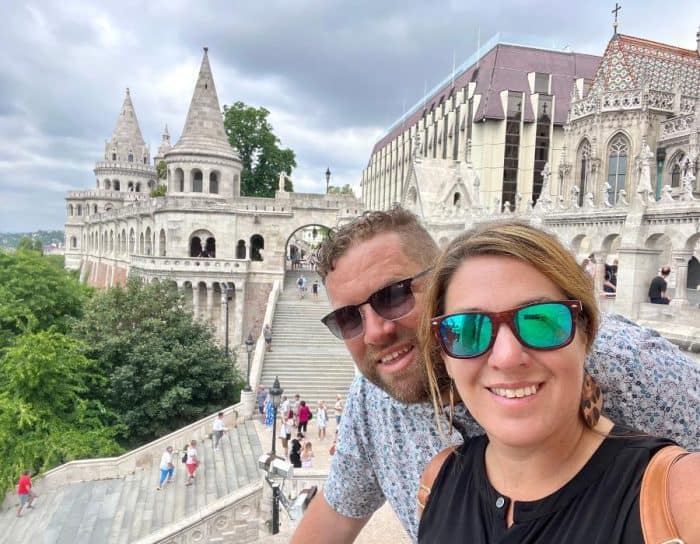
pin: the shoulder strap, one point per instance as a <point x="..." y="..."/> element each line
<point x="658" y="525"/>
<point x="428" y="477"/>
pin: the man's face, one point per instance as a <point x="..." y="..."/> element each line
<point x="386" y="352"/>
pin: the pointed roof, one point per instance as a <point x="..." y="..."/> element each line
<point x="165" y="145"/>
<point x="204" y="127"/>
<point x="127" y="128"/>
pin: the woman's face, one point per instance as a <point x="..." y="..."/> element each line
<point x="546" y="384"/>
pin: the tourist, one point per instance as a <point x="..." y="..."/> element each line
<point x="303" y="417"/>
<point x="610" y="282"/>
<point x="267" y="333"/>
<point x="321" y="419"/>
<point x="512" y="347"/>
<point x="166" y="467"/>
<point x="286" y="426"/>
<point x="314" y="290"/>
<point x="294" y="408"/>
<point x="295" y="454"/>
<point x="307" y="456"/>
<point x="657" y="288"/>
<point x="269" y="411"/>
<point x="301" y="286"/>
<point x="388" y="432"/>
<point x="285" y="407"/>
<point x="260" y="398"/>
<point x="338" y="407"/>
<point x="590" y="265"/>
<point x="24" y="493"/>
<point x="192" y="462"/>
<point x="218" y="429"/>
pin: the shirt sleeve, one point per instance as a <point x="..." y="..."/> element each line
<point x="352" y="488"/>
<point x="647" y="382"/>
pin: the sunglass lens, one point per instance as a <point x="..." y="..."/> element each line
<point x="344" y="322"/>
<point x="547" y="325"/>
<point x="466" y="335"/>
<point x="394" y="301"/>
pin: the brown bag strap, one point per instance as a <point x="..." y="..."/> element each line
<point x="428" y="477"/>
<point x="658" y="526"/>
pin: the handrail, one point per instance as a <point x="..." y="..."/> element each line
<point x="260" y="348"/>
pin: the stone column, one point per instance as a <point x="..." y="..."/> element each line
<point x="195" y="299"/>
<point x="236" y="336"/>
<point x="210" y="301"/>
<point x="680" y="264"/>
<point x="600" y="258"/>
<point x="222" y="321"/>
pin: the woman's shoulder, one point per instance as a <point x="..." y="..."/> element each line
<point x="684" y="480"/>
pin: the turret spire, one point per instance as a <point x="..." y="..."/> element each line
<point x="127" y="127"/>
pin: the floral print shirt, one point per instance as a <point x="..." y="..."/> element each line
<point x="384" y="445"/>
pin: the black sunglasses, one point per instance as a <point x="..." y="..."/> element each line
<point x="541" y="326"/>
<point x="391" y="302"/>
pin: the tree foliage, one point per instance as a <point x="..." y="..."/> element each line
<point x="163" y="368"/>
<point x="344" y="190"/>
<point x="46" y="415"/>
<point x="29" y="244"/>
<point x="36" y="293"/>
<point x="162" y="170"/>
<point x="159" y="190"/>
<point x="251" y="134"/>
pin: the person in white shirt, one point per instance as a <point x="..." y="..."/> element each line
<point x="321" y="419"/>
<point x="307" y="456"/>
<point x="166" y="467"/>
<point x="218" y="430"/>
<point x="192" y="461"/>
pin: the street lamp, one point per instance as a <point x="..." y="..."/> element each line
<point x="249" y="349"/>
<point x="328" y="178"/>
<point x="275" y="396"/>
<point x="226" y="297"/>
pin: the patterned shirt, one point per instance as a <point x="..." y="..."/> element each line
<point x="384" y="445"/>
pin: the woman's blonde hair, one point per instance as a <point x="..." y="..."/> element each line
<point x="504" y="239"/>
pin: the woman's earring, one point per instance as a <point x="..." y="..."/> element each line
<point x="591" y="400"/>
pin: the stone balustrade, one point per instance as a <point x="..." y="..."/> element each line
<point x="630" y="100"/>
<point x="161" y="266"/>
<point x="677" y="126"/>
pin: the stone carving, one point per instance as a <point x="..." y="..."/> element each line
<point x="605" y="195"/>
<point x="588" y="202"/>
<point x="417" y="148"/>
<point x="477" y="195"/>
<point x="621" y="198"/>
<point x="667" y="194"/>
<point x="468" y="151"/>
<point x="574" y="197"/>
<point x="518" y="201"/>
<point x="644" y="189"/>
<point x="688" y="181"/>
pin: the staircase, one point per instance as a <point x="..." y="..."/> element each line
<point x="308" y="359"/>
<point x="119" y="511"/>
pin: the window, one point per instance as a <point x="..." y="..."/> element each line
<point x="115" y="185"/>
<point x="676" y="175"/>
<point x="73" y="242"/>
<point x="457" y="200"/>
<point x="240" y="250"/>
<point x="114" y="156"/>
<point x="617" y="165"/>
<point x="196" y="181"/>
<point x="131" y="157"/>
<point x="512" y="148"/>
<point x="179" y="180"/>
<point x="544" y="121"/>
<point x="584" y="168"/>
<point x="541" y="83"/>
<point x="213" y="183"/>
<point x="257" y="243"/>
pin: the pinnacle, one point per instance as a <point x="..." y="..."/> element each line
<point x="127" y="128"/>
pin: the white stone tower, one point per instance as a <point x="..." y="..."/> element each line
<point x="127" y="164"/>
<point x="203" y="161"/>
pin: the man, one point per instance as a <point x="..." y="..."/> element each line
<point x="267" y="333"/>
<point x="657" y="288"/>
<point x="218" y="429"/>
<point x="24" y="492"/>
<point x="166" y="468"/>
<point x="375" y="271"/>
<point x="261" y="397"/>
<point x="610" y="281"/>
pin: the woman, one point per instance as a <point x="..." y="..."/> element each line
<point x="269" y="411"/>
<point x="514" y="318"/>
<point x="166" y="467"/>
<point x="295" y="454"/>
<point x="304" y="417"/>
<point x="307" y="456"/>
<point x="321" y="419"/>
<point x="286" y="432"/>
<point x="192" y="462"/>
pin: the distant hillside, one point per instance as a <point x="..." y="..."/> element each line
<point x="11" y="239"/>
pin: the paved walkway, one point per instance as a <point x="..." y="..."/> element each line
<point x="383" y="527"/>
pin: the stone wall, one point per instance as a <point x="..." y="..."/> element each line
<point x="256" y="295"/>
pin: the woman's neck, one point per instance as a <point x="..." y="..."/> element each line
<point x="534" y="472"/>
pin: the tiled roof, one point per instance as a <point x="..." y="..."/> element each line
<point x="505" y="67"/>
<point x="630" y="63"/>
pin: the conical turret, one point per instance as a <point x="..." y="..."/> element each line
<point x="127" y="143"/>
<point x="204" y="127"/>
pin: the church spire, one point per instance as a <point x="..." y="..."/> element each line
<point x="204" y="126"/>
<point x="127" y="143"/>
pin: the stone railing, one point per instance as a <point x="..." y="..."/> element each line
<point x="259" y="355"/>
<point x="630" y="100"/>
<point x="689" y="104"/>
<point x="660" y="100"/>
<point x="682" y="125"/>
<point x="131" y="167"/>
<point x="233" y="518"/>
<point x="584" y="106"/>
<point x="117" y="467"/>
<point x="107" y="195"/>
<point x="621" y="100"/>
<point x="160" y="266"/>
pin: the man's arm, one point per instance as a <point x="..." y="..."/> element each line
<point x="323" y="524"/>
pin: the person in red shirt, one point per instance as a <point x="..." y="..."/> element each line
<point x="24" y="491"/>
<point x="304" y="416"/>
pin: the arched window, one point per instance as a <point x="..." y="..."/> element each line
<point x="151" y="184"/>
<point x="79" y="210"/>
<point x="122" y="247"/>
<point x="617" y="165"/>
<point x="115" y="185"/>
<point x="457" y="200"/>
<point x="138" y="187"/>
<point x="196" y="181"/>
<point x="195" y="247"/>
<point x="132" y="241"/>
<point x="130" y="186"/>
<point x="114" y="156"/>
<point x="131" y="157"/>
<point x="583" y="163"/>
<point x="70" y="210"/>
<point x="240" y="249"/>
<point x="214" y="183"/>
<point x="210" y="247"/>
<point x="161" y="243"/>
<point x="179" y="180"/>
<point x="257" y="243"/>
<point x="676" y="175"/>
<point x="94" y="208"/>
<point x="142" y="244"/>
<point x="73" y="242"/>
<point x="148" y="247"/>
<point x="108" y="185"/>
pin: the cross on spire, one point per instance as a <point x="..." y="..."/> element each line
<point x="615" y="12"/>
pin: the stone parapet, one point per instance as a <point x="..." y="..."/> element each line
<point x="187" y="268"/>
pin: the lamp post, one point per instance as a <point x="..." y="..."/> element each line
<point x="328" y="178"/>
<point x="249" y="349"/>
<point x="276" y="397"/>
<point x="226" y="296"/>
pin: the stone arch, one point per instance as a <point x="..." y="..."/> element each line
<point x="257" y="242"/>
<point x="122" y="249"/>
<point x="617" y="157"/>
<point x="130" y="186"/>
<point x="161" y="243"/>
<point x="674" y="167"/>
<point x="132" y="241"/>
<point x="70" y="210"/>
<point x="138" y="187"/>
<point x="202" y="243"/>
<point x="107" y="185"/>
<point x="148" y="247"/>
<point x="151" y="184"/>
<point x="196" y="176"/>
<point x="214" y="182"/>
<point x="142" y="244"/>
<point x="115" y="185"/>
<point x="111" y="241"/>
<point x="73" y="242"/>
<point x="584" y="153"/>
<point x="94" y="208"/>
<point x="179" y="180"/>
<point x="78" y="210"/>
<point x="241" y="250"/>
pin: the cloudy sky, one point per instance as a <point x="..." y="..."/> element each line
<point x="333" y="74"/>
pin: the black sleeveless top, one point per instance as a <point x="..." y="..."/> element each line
<point x="600" y="505"/>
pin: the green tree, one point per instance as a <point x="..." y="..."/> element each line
<point x="162" y="170"/>
<point x="28" y="244"/>
<point x="46" y="416"/>
<point x="36" y="293"/>
<point x="163" y="368"/>
<point x="344" y="190"/>
<point x="251" y="134"/>
<point x="160" y="190"/>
